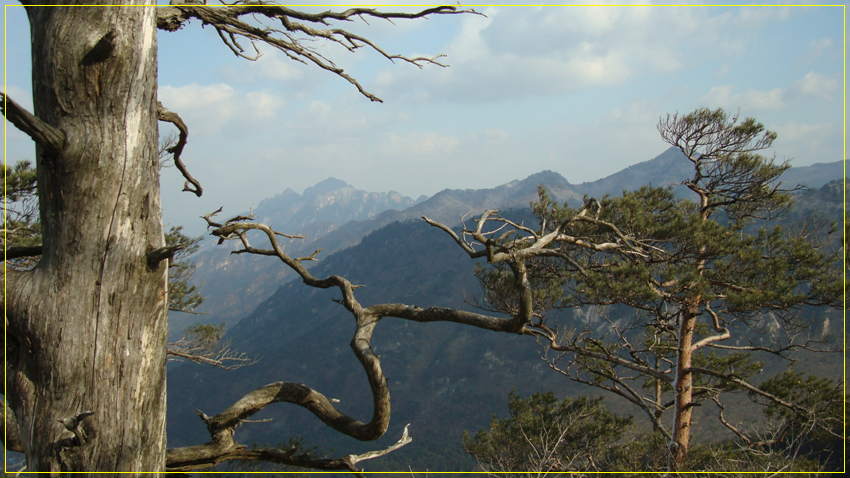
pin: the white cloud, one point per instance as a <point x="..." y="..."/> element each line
<point x="808" y="143"/>
<point x="817" y="47"/>
<point x="724" y="69"/>
<point x="519" y="52"/>
<point x="725" y="96"/>
<point x="795" y="132"/>
<point x="262" y="105"/>
<point x="420" y="146"/>
<point x="211" y="108"/>
<point x="811" y="85"/>
<point x="815" y="84"/>
<point x="764" y="100"/>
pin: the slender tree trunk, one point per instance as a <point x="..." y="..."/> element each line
<point x="87" y="328"/>
<point x="683" y="389"/>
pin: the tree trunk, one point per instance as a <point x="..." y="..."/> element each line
<point x="87" y="328"/>
<point x="683" y="389"/>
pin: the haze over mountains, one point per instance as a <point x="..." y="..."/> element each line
<point x="444" y="378"/>
<point x="333" y="215"/>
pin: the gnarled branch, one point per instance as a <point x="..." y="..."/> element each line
<point x="23" y="251"/>
<point x="205" y="456"/>
<point x="290" y="38"/>
<point x="42" y="133"/>
<point x="155" y="256"/>
<point x="164" y="114"/>
<point x="514" y="252"/>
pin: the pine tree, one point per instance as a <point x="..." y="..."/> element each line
<point x="701" y="287"/>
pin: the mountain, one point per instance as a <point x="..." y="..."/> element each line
<point x="325" y="206"/>
<point x="234" y="284"/>
<point x="814" y="176"/>
<point x="450" y="206"/>
<point x="672" y="167"/>
<point x="444" y="378"/>
<point x="332" y="216"/>
<point x="669" y="167"/>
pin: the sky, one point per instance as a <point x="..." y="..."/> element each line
<point x="573" y="89"/>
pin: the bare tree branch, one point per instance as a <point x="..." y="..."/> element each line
<point x="155" y="256"/>
<point x="552" y="338"/>
<point x="16" y="252"/>
<point x="203" y="344"/>
<point x="205" y="456"/>
<point x="42" y="133"/>
<point x="227" y="22"/>
<point x="749" y="387"/>
<point x="164" y="114"/>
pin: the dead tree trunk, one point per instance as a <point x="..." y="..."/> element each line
<point x="87" y="327"/>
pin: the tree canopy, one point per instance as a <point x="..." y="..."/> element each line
<point x="696" y="289"/>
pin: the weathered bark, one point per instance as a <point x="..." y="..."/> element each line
<point x="87" y="327"/>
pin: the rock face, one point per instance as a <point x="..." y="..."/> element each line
<point x="326" y="206"/>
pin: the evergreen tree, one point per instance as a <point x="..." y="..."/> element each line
<point x="547" y="435"/>
<point x="21" y="230"/>
<point x="709" y="286"/>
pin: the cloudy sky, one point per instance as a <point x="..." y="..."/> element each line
<point x="576" y="90"/>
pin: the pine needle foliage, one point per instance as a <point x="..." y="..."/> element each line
<point x="716" y="288"/>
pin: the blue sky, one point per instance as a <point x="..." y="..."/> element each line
<point x="577" y="90"/>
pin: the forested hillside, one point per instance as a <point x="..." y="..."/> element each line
<point x="444" y="378"/>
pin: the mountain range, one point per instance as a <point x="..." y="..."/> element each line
<point x="444" y="378"/>
<point x="333" y="215"/>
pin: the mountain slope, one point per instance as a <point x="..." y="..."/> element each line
<point x="672" y="167"/>
<point x="444" y="378"/>
<point x="233" y="285"/>
<point x="333" y="216"/>
<point x="436" y="371"/>
<point x="669" y="167"/>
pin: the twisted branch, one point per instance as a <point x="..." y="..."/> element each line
<point x="42" y="133"/>
<point x="514" y="252"/>
<point x="227" y="22"/>
<point x="164" y="114"/>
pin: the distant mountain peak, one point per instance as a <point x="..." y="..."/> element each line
<point x="326" y="186"/>
<point x="546" y="177"/>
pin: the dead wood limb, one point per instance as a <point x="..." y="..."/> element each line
<point x="295" y="31"/>
<point x="156" y="256"/>
<point x="205" y="456"/>
<point x="21" y="251"/>
<point x="42" y="133"/>
<point x="163" y="114"/>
